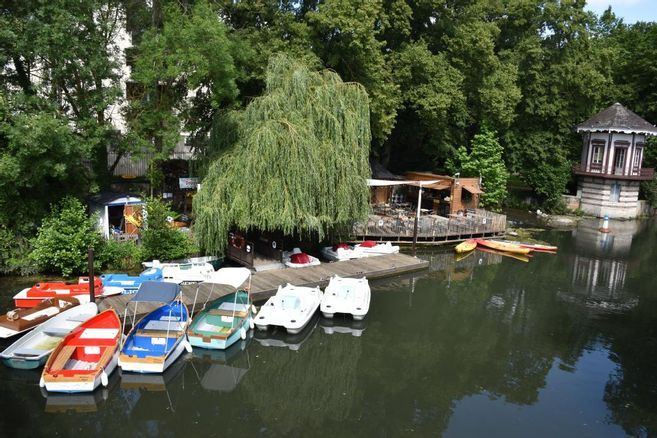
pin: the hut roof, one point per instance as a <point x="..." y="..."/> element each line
<point x="617" y="118"/>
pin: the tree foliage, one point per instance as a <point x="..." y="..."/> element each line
<point x="160" y="241"/>
<point x="299" y="160"/>
<point x="485" y="161"/>
<point x="61" y="244"/>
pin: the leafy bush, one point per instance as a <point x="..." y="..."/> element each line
<point x="120" y="256"/>
<point x="61" y="244"/>
<point x="159" y="239"/>
<point x="14" y="254"/>
<point x="649" y="192"/>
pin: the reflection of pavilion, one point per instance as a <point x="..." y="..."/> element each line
<point x="599" y="267"/>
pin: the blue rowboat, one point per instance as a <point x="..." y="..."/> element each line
<point x="129" y="284"/>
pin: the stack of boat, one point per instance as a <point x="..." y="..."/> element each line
<point x="518" y="250"/>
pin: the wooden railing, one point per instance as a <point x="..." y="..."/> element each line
<point x="635" y="173"/>
<point x="476" y="222"/>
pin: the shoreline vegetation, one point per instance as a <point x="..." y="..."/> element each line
<point x="475" y="88"/>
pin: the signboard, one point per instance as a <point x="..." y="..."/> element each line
<point x="187" y="183"/>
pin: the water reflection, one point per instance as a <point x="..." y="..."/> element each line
<point x="342" y="324"/>
<point x="600" y="265"/>
<point x="222" y="370"/>
<point x="279" y="337"/>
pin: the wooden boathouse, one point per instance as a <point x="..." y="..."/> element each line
<point x="265" y="284"/>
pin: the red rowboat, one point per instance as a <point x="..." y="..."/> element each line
<point x="86" y="357"/>
<point x="32" y="296"/>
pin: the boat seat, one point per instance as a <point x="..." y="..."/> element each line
<point x="159" y="333"/>
<point x="57" y="333"/>
<point x="28" y="352"/>
<point x="64" y="355"/>
<point x="224" y="312"/>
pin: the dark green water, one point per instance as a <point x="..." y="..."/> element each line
<point x="563" y="345"/>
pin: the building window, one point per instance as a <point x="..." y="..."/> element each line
<point x="637" y="158"/>
<point x="619" y="160"/>
<point x="596" y="156"/>
<point x="614" y="193"/>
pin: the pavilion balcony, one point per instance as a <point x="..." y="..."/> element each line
<point x="635" y="174"/>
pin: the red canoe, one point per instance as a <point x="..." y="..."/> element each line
<point x="34" y="295"/>
<point x="86" y="357"/>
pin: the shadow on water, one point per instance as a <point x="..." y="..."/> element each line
<point x="484" y="345"/>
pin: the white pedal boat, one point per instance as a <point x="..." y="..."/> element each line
<point x="346" y="295"/>
<point x="183" y="273"/>
<point x="340" y="252"/>
<point x="292" y="307"/>
<point x="371" y="248"/>
<point x="290" y="262"/>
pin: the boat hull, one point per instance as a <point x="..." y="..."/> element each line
<point x="83" y="382"/>
<point x="501" y="246"/>
<point x="465" y="246"/>
<point x="151" y="364"/>
<point x="219" y="344"/>
<point x="24" y="364"/>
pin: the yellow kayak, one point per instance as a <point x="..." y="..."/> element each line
<point x="466" y="246"/>
<point x="521" y="257"/>
<point x="503" y="246"/>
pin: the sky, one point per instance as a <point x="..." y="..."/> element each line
<point x="630" y="11"/>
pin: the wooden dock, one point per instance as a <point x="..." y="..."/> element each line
<point x="264" y="284"/>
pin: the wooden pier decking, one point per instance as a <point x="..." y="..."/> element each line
<point x="264" y="284"/>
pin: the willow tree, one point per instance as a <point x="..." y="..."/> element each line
<point x="297" y="159"/>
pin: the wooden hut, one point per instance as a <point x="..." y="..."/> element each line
<point x="451" y="195"/>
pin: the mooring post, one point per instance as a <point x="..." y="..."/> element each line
<point x="92" y="283"/>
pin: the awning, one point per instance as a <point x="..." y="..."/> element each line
<point x="230" y="276"/>
<point x="157" y="291"/>
<point x="417" y="183"/>
<point x="472" y="188"/>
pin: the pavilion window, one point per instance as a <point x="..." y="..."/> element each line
<point x="596" y="156"/>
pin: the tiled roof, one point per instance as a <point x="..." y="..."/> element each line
<point x="617" y="118"/>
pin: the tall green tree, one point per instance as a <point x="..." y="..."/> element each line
<point x="484" y="160"/>
<point x="186" y="71"/>
<point x="298" y="162"/>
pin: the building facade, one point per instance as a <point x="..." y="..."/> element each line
<point x="610" y="171"/>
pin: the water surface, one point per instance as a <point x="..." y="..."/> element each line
<point x="486" y="346"/>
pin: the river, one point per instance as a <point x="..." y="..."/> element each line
<point x="562" y="345"/>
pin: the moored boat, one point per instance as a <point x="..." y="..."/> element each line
<point x="503" y="246"/>
<point x="22" y="320"/>
<point x="465" y="246"/>
<point x="292" y="307"/>
<point x="346" y="295"/>
<point x="32" y="296"/>
<point x="520" y="257"/>
<point x="158" y="339"/>
<point x="32" y="350"/>
<point x="86" y="357"/>
<point x="298" y="259"/>
<point x="339" y="252"/>
<point x="533" y="246"/>
<point x="183" y="273"/>
<point x="128" y="284"/>
<point x="224" y="321"/>
<point x="372" y="248"/>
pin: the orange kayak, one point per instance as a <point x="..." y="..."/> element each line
<point x="521" y="257"/>
<point x="503" y="246"/>
<point x="466" y="246"/>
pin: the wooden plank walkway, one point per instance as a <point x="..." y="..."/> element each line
<point x="265" y="284"/>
